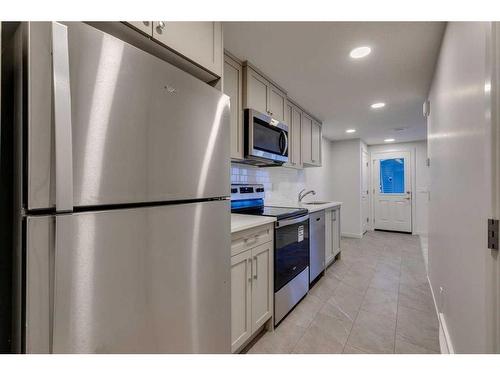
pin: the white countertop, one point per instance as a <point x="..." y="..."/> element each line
<point x="319" y="207"/>
<point x="310" y="207"/>
<point x="241" y="222"/>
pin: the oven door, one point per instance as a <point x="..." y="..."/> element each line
<point x="291" y="253"/>
<point x="266" y="138"/>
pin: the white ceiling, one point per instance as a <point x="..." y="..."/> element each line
<point x="311" y="61"/>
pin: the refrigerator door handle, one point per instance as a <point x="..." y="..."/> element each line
<point x="62" y="244"/>
<point x="62" y="118"/>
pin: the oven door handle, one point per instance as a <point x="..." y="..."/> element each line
<point x="284" y="223"/>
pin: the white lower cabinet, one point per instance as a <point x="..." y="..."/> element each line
<point x="241" y="299"/>
<point x="332" y="234"/>
<point x="251" y="290"/>
<point x="262" y="298"/>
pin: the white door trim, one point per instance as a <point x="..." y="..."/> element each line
<point x="379" y="154"/>
<point x="495" y="132"/>
<point x="366" y="225"/>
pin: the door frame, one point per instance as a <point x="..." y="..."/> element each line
<point x="369" y="224"/>
<point x="376" y="155"/>
<point x="494" y="108"/>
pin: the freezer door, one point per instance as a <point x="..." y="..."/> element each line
<point x="144" y="280"/>
<point x="141" y="130"/>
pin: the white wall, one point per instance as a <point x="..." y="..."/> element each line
<point x="420" y="179"/>
<point x="346" y="184"/>
<point x="283" y="184"/>
<point x="459" y="134"/>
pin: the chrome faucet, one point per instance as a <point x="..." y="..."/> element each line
<point x="302" y="195"/>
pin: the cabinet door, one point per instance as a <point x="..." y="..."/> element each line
<point x="316" y="143"/>
<point x="277" y="103"/>
<point x="241" y="293"/>
<point x="289" y="122"/>
<point x="233" y="80"/>
<point x="293" y="118"/>
<point x="296" y="148"/>
<point x="306" y="139"/>
<point x="336" y="232"/>
<point x="328" y="237"/>
<point x="200" y="42"/>
<point x="262" y="284"/>
<point x="144" y="26"/>
<point x="256" y="91"/>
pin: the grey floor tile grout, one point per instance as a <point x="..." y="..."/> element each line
<point x="373" y="255"/>
<point x="357" y="313"/>
<point x="397" y="307"/>
<point x="315" y="314"/>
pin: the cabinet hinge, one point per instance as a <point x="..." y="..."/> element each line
<point x="493" y="234"/>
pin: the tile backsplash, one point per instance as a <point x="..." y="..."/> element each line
<point x="281" y="184"/>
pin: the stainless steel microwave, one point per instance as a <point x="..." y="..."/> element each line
<point x="266" y="139"/>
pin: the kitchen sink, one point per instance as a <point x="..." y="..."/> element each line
<point x="316" y="202"/>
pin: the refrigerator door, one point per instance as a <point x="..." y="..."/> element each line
<point x="143" y="280"/>
<point x="141" y="130"/>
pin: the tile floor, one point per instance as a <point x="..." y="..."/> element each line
<point x="375" y="299"/>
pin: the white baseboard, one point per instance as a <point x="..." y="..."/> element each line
<point x="445" y="342"/>
<point x="351" y="235"/>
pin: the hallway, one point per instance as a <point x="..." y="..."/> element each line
<point x="375" y="299"/>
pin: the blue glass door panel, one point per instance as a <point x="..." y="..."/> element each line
<point x="392" y="176"/>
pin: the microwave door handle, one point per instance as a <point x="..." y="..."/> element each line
<point x="285" y="136"/>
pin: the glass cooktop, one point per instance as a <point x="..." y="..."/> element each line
<point x="278" y="212"/>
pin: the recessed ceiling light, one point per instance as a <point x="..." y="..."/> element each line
<point x="389" y="140"/>
<point x="360" y="52"/>
<point x="350" y="131"/>
<point x="378" y="105"/>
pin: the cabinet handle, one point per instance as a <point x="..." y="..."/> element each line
<point x="251" y="270"/>
<point x="161" y="26"/>
<point x="252" y="239"/>
<point x="256" y="271"/>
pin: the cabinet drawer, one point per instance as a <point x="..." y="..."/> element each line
<point x="250" y="238"/>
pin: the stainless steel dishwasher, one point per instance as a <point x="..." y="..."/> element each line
<point x="317" y="244"/>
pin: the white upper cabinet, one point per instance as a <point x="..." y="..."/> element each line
<point x="201" y="42"/>
<point x="277" y="102"/>
<point x="311" y="141"/>
<point x="306" y="139"/>
<point x="293" y="118"/>
<point x="233" y="83"/>
<point x="256" y="95"/>
<point x="316" y="143"/>
<point x="262" y="95"/>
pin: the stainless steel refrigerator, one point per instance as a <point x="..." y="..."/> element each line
<point x="122" y="177"/>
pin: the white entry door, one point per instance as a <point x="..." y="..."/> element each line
<point x="365" y="206"/>
<point x="392" y="191"/>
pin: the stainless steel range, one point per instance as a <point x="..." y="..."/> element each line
<point x="291" y="245"/>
